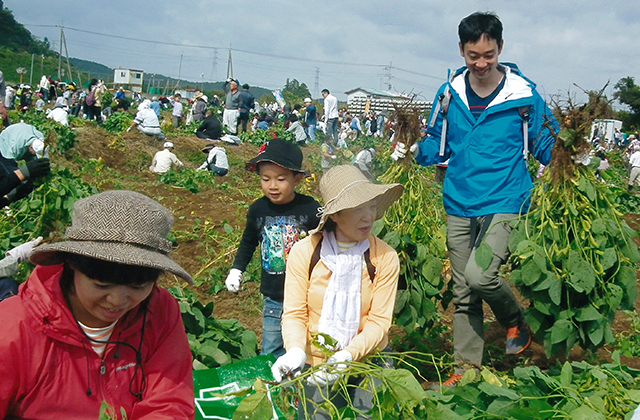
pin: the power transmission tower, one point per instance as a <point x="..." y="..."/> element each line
<point x="316" y="85"/>
<point x="387" y="75"/>
<point x="229" y="65"/>
<point x="214" y="66"/>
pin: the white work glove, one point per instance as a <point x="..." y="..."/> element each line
<point x="290" y="363"/>
<point x="21" y="252"/>
<point x="337" y="364"/>
<point x="401" y="150"/>
<point x="129" y="129"/>
<point x="334" y="156"/>
<point x="583" y="158"/>
<point x="233" y="280"/>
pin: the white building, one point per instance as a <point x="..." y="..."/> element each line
<point x="360" y="100"/>
<point x="132" y="78"/>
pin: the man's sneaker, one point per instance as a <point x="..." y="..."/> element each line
<point x="518" y="338"/>
<point x="453" y="380"/>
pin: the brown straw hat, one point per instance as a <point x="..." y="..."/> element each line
<point x="346" y="187"/>
<point x="123" y="227"/>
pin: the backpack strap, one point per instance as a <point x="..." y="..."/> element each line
<point x="315" y="258"/>
<point x="443" y="103"/>
<point x="524" y="114"/>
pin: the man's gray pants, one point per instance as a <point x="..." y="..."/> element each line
<point x="472" y="285"/>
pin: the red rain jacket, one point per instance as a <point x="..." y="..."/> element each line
<point x="47" y="365"/>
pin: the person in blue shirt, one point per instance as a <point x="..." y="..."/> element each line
<point x="486" y="119"/>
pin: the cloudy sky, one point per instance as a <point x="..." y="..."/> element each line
<point x="407" y="44"/>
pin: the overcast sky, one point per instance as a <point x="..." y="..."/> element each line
<point x="342" y="45"/>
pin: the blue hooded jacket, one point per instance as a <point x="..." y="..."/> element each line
<point x="487" y="173"/>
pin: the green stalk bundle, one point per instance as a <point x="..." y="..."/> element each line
<point x="413" y="225"/>
<point x="572" y="254"/>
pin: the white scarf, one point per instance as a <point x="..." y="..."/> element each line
<point x="340" y="316"/>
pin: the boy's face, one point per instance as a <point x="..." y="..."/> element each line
<point x="481" y="58"/>
<point x="278" y="183"/>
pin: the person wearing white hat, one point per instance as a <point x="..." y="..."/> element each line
<point x="146" y="121"/>
<point x="311" y="118"/>
<point x="164" y="160"/>
<point x="21" y="142"/>
<point x="340" y="281"/>
<point x="92" y="325"/>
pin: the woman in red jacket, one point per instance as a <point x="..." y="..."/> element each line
<point x="90" y="325"/>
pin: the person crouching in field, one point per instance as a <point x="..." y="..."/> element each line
<point x="146" y="121"/>
<point x="164" y="160"/>
<point x="275" y="221"/>
<point x="91" y="324"/>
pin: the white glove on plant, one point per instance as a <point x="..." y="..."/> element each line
<point x="401" y="150"/>
<point x="21" y="252"/>
<point x="583" y="158"/>
<point x="289" y="363"/>
<point x="336" y="363"/>
<point x="233" y="280"/>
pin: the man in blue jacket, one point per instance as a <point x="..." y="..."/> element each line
<point x="486" y="119"/>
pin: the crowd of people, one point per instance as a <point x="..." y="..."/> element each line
<point x="98" y="327"/>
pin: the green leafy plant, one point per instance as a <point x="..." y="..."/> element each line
<point x="118" y="122"/>
<point x="64" y="136"/>
<point x="189" y="179"/>
<point x="45" y="212"/>
<point x="213" y="342"/>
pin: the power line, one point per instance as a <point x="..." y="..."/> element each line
<point x="284" y="57"/>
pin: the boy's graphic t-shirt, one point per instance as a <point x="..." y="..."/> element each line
<point x="276" y="228"/>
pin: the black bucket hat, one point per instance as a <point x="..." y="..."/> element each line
<point x="280" y="152"/>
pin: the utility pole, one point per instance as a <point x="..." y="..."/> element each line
<point x="60" y="54"/>
<point x="66" y="52"/>
<point x="229" y="65"/>
<point x="316" y="85"/>
<point x="31" y="75"/>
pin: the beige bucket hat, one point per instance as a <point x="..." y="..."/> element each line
<point x="124" y="227"/>
<point x="346" y="187"/>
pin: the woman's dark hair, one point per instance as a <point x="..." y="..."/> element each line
<point x="474" y="26"/>
<point x="329" y="225"/>
<point x="293" y="118"/>
<point x="106" y="272"/>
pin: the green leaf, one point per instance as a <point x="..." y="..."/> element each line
<point x="596" y="335"/>
<point x="588" y="313"/>
<point x="630" y="250"/>
<point x="598" y="227"/>
<point x="561" y="330"/>
<point x="484" y="255"/>
<point x="530" y="273"/>
<point x="609" y="258"/>
<point x="255" y="407"/>
<point x="566" y="374"/>
<point x="210" y="349"/>
<point x="498" y="391"/>
<point x="582" y="276"/>
<point x="402" y="297"/>
<point x="515" y="237"/>
<point x="392" y="239"/>
<point x="555" y="290"/>
<point x="403" y="384"/>
<point x="227" y="228"/>
<point x="586" y="413"/>
<point x="615" y="296"/>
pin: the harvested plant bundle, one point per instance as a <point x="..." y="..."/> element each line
<point x="573" y="254"/>
<point x="413" y="226"/>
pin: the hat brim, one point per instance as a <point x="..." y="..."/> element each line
<point x="117" y="252"/>
<point x="360" y="193"/>
<point x="252" y="166"/>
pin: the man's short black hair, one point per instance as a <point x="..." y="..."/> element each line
<point x="326" y="90"/>
<point x="474" y="26"/>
